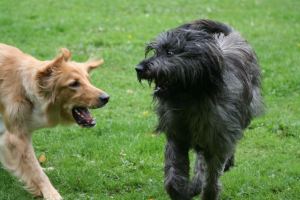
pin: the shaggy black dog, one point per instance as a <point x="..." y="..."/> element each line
<point x="207" y="89"/>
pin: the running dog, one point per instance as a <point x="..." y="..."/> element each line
<point x="207" y="89"/>
<point x="36" y="94"/>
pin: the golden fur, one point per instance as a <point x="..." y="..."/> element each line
<point x="36" y="94"/>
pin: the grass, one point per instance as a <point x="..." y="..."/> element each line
<point x="121" y="158"/>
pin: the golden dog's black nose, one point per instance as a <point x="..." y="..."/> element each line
<point x="104" y="98"/>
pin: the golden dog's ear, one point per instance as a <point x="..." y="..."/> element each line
<point x="93" y="64"/>
<point x="66" y="54"/>
<point x="46" y="76"/>
<point x="52" y="66"/>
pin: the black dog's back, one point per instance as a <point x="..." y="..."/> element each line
<point x="208" y="26"/>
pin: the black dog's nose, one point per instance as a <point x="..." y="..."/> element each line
<point x="139" y="69"/>
<point x="104" y="98"/>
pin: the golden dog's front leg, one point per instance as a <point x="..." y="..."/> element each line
<point x="17" y="156"/>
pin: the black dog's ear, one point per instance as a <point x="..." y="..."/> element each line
<point x="209" y="26"/>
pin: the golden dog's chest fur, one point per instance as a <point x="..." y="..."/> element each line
<point x="36" y="94"/>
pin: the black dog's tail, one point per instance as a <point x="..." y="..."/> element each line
<point x="208" y="26"/>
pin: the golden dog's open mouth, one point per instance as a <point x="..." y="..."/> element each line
<point x="83" y="117"/>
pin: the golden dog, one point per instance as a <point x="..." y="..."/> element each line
<point x="36" y="94"/>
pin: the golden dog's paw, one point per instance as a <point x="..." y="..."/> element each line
<point x="33" y="189"/>
<point x="53" y="195"/>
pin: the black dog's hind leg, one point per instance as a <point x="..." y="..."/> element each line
<point x="196" y="184"/>
<point x="177" y="171"/>
<point x="198" y="179"/>
<point x="214" y="166"/>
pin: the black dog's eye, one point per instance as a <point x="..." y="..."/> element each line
<point x="74" y="84"/>
<point x="170" y="53"/>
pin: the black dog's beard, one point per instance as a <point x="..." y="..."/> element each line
<point x="159" y="88"/>
<point x="160" y="85"/>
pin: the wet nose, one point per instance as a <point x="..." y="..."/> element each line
<point x="104" y="98"/>
<point x="139" y="69"/>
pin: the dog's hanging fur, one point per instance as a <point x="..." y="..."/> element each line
<point x="207" y="88"/>
<point x="36" y="94"/>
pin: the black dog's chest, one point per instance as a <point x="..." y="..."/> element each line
<point x="186" y="126"/>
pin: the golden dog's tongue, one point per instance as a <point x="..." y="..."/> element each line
<point x="83" y="117"/>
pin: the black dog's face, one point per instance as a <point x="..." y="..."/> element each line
<point x="179" y="61"/>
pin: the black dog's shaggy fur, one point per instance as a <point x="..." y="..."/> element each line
<point x="207" y="87"/>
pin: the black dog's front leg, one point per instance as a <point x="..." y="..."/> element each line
<point x="177" y="171"/>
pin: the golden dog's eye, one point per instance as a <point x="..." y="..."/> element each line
<point x="74" y="84"/>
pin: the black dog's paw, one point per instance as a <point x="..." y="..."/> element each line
<point x="195" y="189"/>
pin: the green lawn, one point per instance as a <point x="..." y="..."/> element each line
<point x="121" y="158"/>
